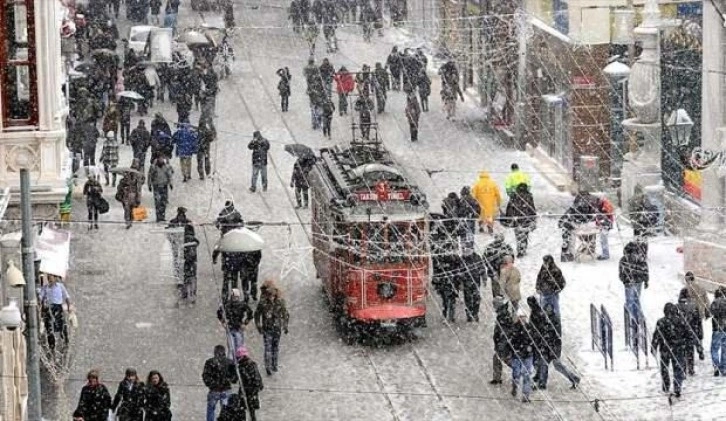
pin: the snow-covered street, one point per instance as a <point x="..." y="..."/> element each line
<point x="126" y="299"/>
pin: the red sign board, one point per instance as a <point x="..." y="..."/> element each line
<point x="388" y="195"/>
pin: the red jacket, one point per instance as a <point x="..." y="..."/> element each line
<point x="344" y="82"/>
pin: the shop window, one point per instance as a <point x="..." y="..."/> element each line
<point x="18" y="63"/>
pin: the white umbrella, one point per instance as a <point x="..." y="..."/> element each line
<point x="240" y="240"/>
<point x="130" y="95"/>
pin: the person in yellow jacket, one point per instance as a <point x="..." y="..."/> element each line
<point x="515" y="178"/>
<point x="486" y="192"/>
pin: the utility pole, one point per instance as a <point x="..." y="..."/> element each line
<point x="31" y="301"/>
<point x="519" y="114"/>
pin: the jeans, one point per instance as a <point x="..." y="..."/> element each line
<point x="522" y="368"/>
<point x="632" y="299"/>
<point x="679" y="364"/>
<point x="718" y="351"/>
<point x="543" y="372"/>
<point x="604" y="243"/>
<point x="212" y="399"/>
<point x="161" y="198"/>
<point x="552" y="299"/>
<point x="272" y="349"/>
<point x="258" y="170"/>
<point x="235" y="339"/>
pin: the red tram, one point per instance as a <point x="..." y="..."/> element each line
<point x="370" y="232"/>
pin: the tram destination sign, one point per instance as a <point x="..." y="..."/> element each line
<point x="381" y="195"/>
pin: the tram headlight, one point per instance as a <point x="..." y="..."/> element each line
<point x="386" y="290"/>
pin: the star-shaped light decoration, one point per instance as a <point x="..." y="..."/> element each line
<point x="293" y="257"/>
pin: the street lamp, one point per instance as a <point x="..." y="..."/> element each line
<point x="14" y="276"/>
<point x="679" y="125"/>
<point x="617" y="73"/>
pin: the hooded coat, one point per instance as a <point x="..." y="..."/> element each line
<point x="550" y="279"/>
<point x="545" y="332"/>
<point x="633" y="268"/>
<point x="486" y="192"/>
<point x="95" y="401"/>
<point x="671" y="332"/>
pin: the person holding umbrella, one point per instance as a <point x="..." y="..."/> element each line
<point x="300" y="182"/>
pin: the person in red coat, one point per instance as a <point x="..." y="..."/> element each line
<point x="344" y="84"/>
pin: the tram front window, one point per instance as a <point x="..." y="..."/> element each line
<point x="385" y="242"/>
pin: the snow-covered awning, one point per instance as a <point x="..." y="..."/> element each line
<point x="53" y="248"/>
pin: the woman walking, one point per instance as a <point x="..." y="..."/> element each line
<point x="271" y="319"/>
<point x="157" y="402"/>
<point x="109" y="156"/>
<point x="93" y="191"/>
<point x="128" y="404"/>
<point x="95" y="401"/>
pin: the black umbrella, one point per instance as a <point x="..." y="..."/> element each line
<point x="84" y="66"/>
<point x="299" y="151"/>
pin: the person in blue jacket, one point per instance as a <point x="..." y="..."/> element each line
<point x="186" y="141"/>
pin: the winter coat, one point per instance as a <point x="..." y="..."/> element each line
<point x="718" y="312"/>
<point x="383" y="82"/>
<point x="509" y="280"/>
<point x="393" y="63"/>
<point x="521" y="208"/>
<point x="670" y="336"/>
<point x="271" y="315"/>
<point x="251" y="381"/>
<point x="259" y="148"/>
<point x="237" y="312"/>
<point x="228" y="219"/>
<point x="312" y="74"/>
<point x="218" y="373"/>
<point x="545" y="332"/>
<point x="550" y="279"/>
<point x="95" y="401"/>
<point x="413" y="110"/>
<point x="191" y="243"/>
<point x="521" y="345"/>
<point x="494" y="256"/>
<point x="207" y="135"/>
<point x="299" y="176"/>
<point x="111" y="120"/>
<point x="642" y="213"/>
<point x="689" y="311"/>
<point x="186" y="141"/>
<point x="129" y="399"/>
<point x="327" y="72"/>
<point x="514" y="179"/>
<point x="468" y="207"/>
<point x="344" y="82"/>
<point x="160" y="176"/>
<point x="158" y="402"/>
<point x="93" y="192"/>
<point x="444" y="279"/>
<point x="472" y="272"/>
<point x="129" y="189"/>
<point x="109" y="153"/>
<point x="502" y="332"/>
<point x="76" y="134"/>
<point x="328" y="110"/>
<point x="90" y="137"/>
<point x="283" y="86"/>
<point x="450" y="206"/>
<point x="159" y="126"/>
<point x="486" y="192"/>
<point x="700" y="297"/>
<point x="140" y="140"/>
<point x="633" y="268"/>
<point x="424" y="85"/>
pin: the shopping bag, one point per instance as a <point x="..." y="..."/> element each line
<point x="102" y="205"/>
<point x="139" y="213"/>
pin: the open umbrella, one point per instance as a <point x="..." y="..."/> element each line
<point x="130" y="95"/>
<point x="84" y="66"/>
<point x="124" y="170"/>
<point x="240" y="240"/>
<point x="195" y="38"/>
<point x="299" y="150"/>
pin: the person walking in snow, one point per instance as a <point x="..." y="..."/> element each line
<point x="157" y="405"/>
<point x="328" y="110"/>
<point x="669" y="340"/>
<point x="94" y="193"/>
<point x="187" y="144"/>
<point x="473" y="277"/>
<point x="515" y="178"/>
<point x="207" y="134"/>
<point x="413" y="113"/>
<point x="694" y="338"/>
<point x="271" y="320"/>
<point x="486" y="192"/>
<point x="393" y="64"/>
<point x="217" y="375"/>
<point x="502" y="330"/>
<point x="493" y="256"/>
<point x="550" y="282"/>
<point x="633" y="273"/>
<point x="522" y="350"/>
<point x="424" y="90"/>
<point x="259" y="147"/>
<point x="522" y="215"/>
<point x="344" y="85"/>
<point x="446" y="284"/>
<point x="547" y="338"/>
<point x="283" y="87"/>
<point x="95" y="401"/>
<point x="128" y="403"/>
<point x="299" y="182"/>
<point x="718" y="332"/>
<point x="160" y="181"/>
<point x="604" y="221"/>
<point x="250" y="380"/>
<point x="510" y="279"/>
<point x="109" y="157"/>
<point x="469" y="210"/>
<point x="235" y="315"/>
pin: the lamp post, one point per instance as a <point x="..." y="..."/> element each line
<point x="679" y="126"/>
<point x="31" y="298"/>
<point x="617" y="73"/>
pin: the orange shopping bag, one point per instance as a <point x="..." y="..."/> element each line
<point x="139" y="213"/>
